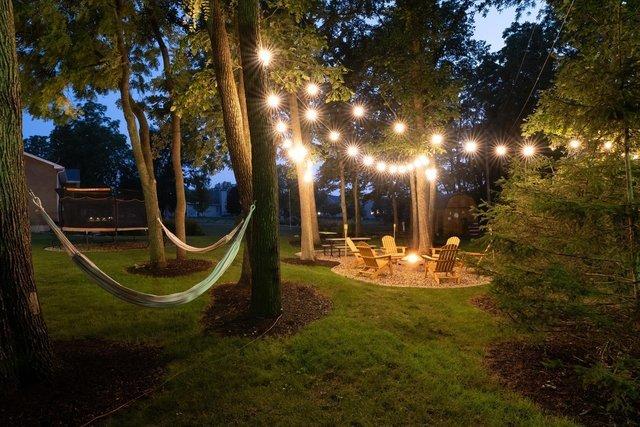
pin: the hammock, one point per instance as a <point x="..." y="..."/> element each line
<point x="140" y="298"/>
<point x="182" y="245"/>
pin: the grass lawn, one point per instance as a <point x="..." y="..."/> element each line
<point x="382" y="356"/>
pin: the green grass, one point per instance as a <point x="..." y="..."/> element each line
<point x="382" y="356"/>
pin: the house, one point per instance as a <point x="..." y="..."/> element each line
<point x="216" y="208"/>
<point x="44" y="178"/>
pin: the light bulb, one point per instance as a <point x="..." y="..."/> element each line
<point x="334" y="135"/>
<point x="501" y="150"/>
<point x="437" y="139"/>
<point x="399" y="128"/>
<point x="313" y="89"/>
<point x="273" y="100"/>
<point x="358" y="111"/>
<point x="265" y="56"/>
<point x="368" y="160"/>
<point x="281" y="126"/>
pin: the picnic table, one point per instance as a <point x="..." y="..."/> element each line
<point x="334" y="243"/>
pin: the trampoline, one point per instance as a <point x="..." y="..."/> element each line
<point x="100" y="210"/>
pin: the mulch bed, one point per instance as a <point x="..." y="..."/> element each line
<point x="316" y="263"/>
<point x="486" y="303"/>
<point x="92" y="377"/>
<point x="228" y="313"/>
<point x="174" y="268"/>
<point x="546" y="373"/>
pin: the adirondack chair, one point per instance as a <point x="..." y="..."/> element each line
<point x="389" y="247"/>
<point x="354" y="250"/>
<point x="442" y="267"/>
<point x="454" y="240"/>
<point x="373" y="264"/>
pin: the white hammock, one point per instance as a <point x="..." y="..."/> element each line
<point x="132" y="296"/>
<point x="182" y="245"/>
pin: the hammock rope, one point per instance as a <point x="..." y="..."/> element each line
<point x="132" y="296"/>
<point x="182" y="245"/>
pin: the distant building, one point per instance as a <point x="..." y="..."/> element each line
<point x="216" y="208"/>
<point x="43" y="178"/>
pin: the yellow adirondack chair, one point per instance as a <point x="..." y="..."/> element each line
<point x="373" y="264"/>
<point x="389" y="247"/>
<point x="354" y="250"/>
<point x="454" y="240"/>
<point x="443" y="267"/>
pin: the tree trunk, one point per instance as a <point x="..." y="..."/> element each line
<point x="237" y="137"/>
<point x="631" y="218"/>
<point x="266" y="288"/>
<point x="415" y="232"/>
<point x="422" y="197"/>
<point x="394" y="207"/>
<point x="176" y="141"/>
<point x="356" y="205"/>
<point x="140" y="146"/>
<point x="25" y="350"/>
<point x="433" y="193"/>
<point x="312" y="194"/>
<point x="306" y="222"/>
<point x="343" y="197"/>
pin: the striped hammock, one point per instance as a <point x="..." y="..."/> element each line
<point x="132" y="296"/>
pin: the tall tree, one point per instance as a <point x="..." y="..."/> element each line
<point x="266" y="288"/>
<point x="25" y="350"/>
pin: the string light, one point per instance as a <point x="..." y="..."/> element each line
<point x="423" y="160"/>
<point x="393" y="169"/>
<point x="273" y="100"/>
<point x="265" y="56"/>
<point x="528" y="150"/>
<point x="381" y="166"/>
<point x="368" y="160"/>
<point x="311" y="114"/>
<point x="501" y="150"/>
<point x="399" y="127"/>
<point x="358" y="111"/>
<point x="298" y="153"/>
<point x="313" y="89"/>
<point x="575" y="144"/>
<point x="437" y="139"/>
<point x="353" y="150"/>
<point x="334" y="135"/>
<point x="470" y="146"/>
<point x="608" y="145"/>
<point x="402" y="169"/>
<point x="287" y="143"/>
<point x="281" y="126"/>
<point x="431" y="174"/>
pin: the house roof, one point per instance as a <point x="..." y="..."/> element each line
<point x="40" y="159"/>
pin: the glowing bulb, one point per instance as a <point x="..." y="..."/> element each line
<point x="501" y="150"/>
<point x="417" y="163"/>
<point x="287" y="143"/>
<point x="437" y="139"/>
<point x="368" y="160"/>
<point x="334" y="135"/>
<point x="410" y="166"/>
<point x="358" y="111"/>
<point x="423" y="160"/>
<point x="528" y="150"/>
<point x="298" y="153"/>
<point x="402" y="169"/>
<point x="399" y="128"/>
<point x="313" y="89"/>
<point x="575" y="144"/>
<point x="353" y="150"/>
<point x="393" y="169"/>
<point x="470" y="147"/>
<point x="608" y="145"/>
<point x="265" y="56"/>
<point x="281" y="126"/>
<point x="381" y="166"/>
<point x="431" y="174"/>
<point x="311" y="114"/>
<point x="273" y="100"/>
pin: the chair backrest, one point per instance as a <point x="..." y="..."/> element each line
<point x="369" y="257"/>
<point x="389" y="244"/>
<point x="447" y="259"/>
<point x="454" y="240"/>
<point x="352" y="247"/>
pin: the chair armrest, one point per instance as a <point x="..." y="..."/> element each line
<point x="382" y="256"/>
<point x="428" y="258"/>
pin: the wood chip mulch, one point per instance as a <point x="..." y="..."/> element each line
<point x="317" y="263"/>
<point x="228" y="313"/>
<point x="409" y="277"/>
<point x="174" y="268"/>
<point x="91" y="378"/>
<point x="547" y="373"/>
<point x="486" y="303"/>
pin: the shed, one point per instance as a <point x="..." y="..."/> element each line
<point x="457" y="215"/>
<point x="43" y="178"/>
